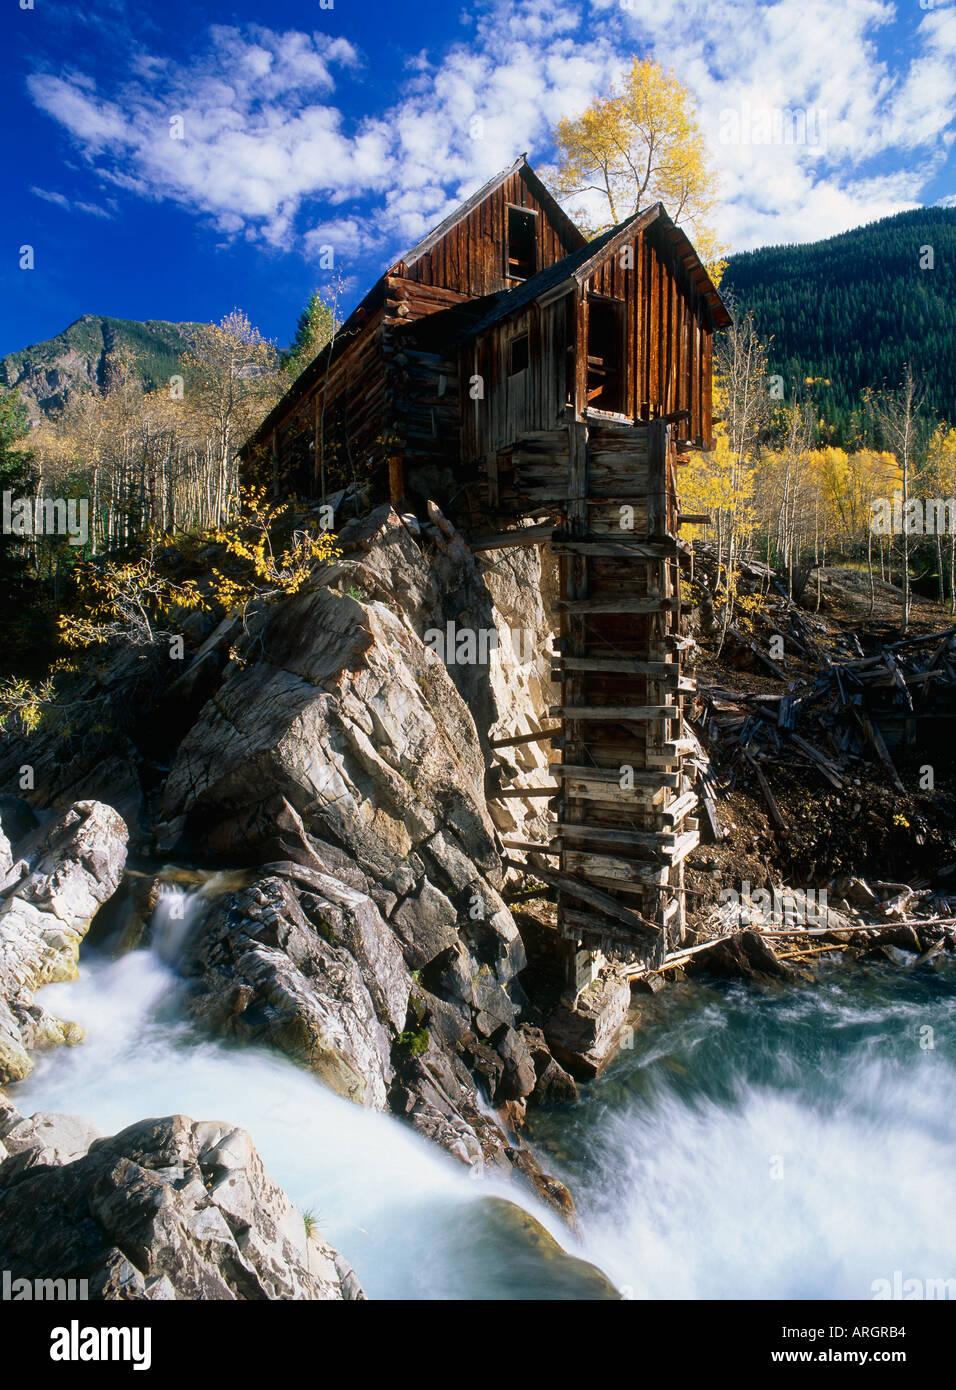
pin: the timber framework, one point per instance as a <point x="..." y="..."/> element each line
<point x="546" y="389"/>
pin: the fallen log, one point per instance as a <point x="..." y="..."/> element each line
<point x="768" y="796"/>
<point x="676" y="958"/>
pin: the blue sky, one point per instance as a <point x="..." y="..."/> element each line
<point x="355" y="126"/>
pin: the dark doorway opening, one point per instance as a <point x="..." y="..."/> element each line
<point x="606" y="354"/>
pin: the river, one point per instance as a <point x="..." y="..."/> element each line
<point x="788" y="1142"/>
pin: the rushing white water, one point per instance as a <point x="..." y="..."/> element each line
<point x="789" y="1143"/>
<point x="794" y="1143"/>
<point x="407" y="1217"/>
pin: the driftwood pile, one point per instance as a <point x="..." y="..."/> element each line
<point x="909" y="924"/>
<point x="843" y="707"/>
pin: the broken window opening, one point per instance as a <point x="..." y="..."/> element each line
<point x="521" y="253"/>
<point x="518" y="355"/>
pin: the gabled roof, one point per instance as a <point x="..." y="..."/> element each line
<point x="555" y="210"/>
<point x="354" y="323"/>
<point x="581" y="264"/>
<point x="575" y="268"/>
<point x="550" y="278"/>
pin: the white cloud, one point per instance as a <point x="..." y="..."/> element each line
<point x="269" y="155"/>
<point x="49" y="196"/>
<point x="347" y="236"/>
<point x="257" y="135"/>
<point x="62" y="201"/>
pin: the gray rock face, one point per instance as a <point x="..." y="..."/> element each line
<point x="344" y="764"/>
<point x="744" y="956"/>
<point x="260" y="970"/>
<point x="342" y="742"/>
<point x="57" y="877"/>
<point x="168" y="1209"/>
<point x="43" y="1140"/>
<point x="352" y="721"/>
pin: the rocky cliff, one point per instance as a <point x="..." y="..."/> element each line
<point x="336" y="745"/>
<point x="53" y="880"/>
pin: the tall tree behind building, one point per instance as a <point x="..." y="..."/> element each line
<point x="639" y="145"/>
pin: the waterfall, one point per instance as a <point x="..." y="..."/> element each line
<point x="787" y="1142"/>
<point x="408" y="1217"/>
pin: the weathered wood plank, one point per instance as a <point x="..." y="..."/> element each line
<point x="619" y="665"/>
<point x="637" y="712"/>
<point x="623" y="605"/>
<point x="532" y="847"/>
<point x="595" y="897"/>
<point x="662" y="840"/>
<point x="514" y="793"/>
<point x="520" y="535"/>
<point x="513" y="740"/>
<point x="641" y="777"/>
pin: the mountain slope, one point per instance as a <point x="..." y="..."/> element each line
<point x="857" y="307"/>
<point x="47" y="374"/>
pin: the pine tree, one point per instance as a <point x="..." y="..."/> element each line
<point x="317" y="324"/>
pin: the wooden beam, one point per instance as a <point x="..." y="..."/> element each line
<point x="624" y="605"/>
<point x="528" y="848"/>
<point x="642" y="839"/>
<point x="513" y="740"/>
<point x="609" y="548"/>
<point x="612" y="795"/>
<point x="636" y="712"/>
<point x="611" y="870"/>
<point x="658" y="440"/>
<point x="768" y="795"/>
<point x="396" y="479"/>
<point x="514" y="792"/>
<point x="594" y="897"/>
<point x="619" y="666"/>
<point x="588" y="926"/>
<point x="521" y="535"/>
<point x="641" y="776"/>
<point x="876" y="738"/>
<point x="680" y="808"/>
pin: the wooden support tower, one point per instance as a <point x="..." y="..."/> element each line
<point x="626" y="812"/>
<point x="535" y="386"/>
<point x="625" y="805"/>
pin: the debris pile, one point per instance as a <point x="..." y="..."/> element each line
<point x="844" y="706"/>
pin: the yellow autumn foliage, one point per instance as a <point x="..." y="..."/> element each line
<point x="639" y="145"/>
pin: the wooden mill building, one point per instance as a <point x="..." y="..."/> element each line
<point x="543" y="388"/>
